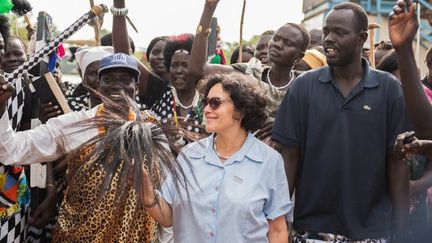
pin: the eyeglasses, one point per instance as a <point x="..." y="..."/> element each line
<point x="213" y="102"/>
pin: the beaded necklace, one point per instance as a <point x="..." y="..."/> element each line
<point x="176" y="101"/>
<point x="283" y="87"/>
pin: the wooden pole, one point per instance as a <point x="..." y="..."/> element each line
<point x="240" y="59"/>
<point x="96" y="27"/>
<point x="372" y="28"/>
<point x="418" y="35"/>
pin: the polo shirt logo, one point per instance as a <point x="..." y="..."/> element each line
<point x="366" y="107"/>
<point x="238" y="179"/>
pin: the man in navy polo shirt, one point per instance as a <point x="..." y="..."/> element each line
<point x="337" y="127"/>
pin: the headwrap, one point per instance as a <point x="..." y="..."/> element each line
<point x="85" y="57"/>
<point x="314" y="59"/>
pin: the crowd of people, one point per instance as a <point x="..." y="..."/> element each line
<point x="298" y="139"/>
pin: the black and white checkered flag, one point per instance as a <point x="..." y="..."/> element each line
<point x="15" y="104"/>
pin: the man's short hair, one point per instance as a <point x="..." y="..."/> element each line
<point x="106" y="40"/>
<point x="360" y="15"/>
<point x="268" y="32"/>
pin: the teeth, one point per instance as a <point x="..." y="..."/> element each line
<point x="330" y="50"/>
<point x="116" y="96"/>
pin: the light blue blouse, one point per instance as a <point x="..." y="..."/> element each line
<point x="230" y="202"/>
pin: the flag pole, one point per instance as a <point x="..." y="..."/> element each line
<point x="240" y="58"/>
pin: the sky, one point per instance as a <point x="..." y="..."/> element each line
<point x="169" y="17"/>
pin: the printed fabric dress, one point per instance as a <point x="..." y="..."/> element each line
<point x="84" y="218"/>
<point x="168" y="107"/>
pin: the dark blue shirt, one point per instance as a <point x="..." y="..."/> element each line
<point x="344" y="144"/>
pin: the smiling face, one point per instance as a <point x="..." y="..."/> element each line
<point x="342" y="39"/>
<point x="179" y="70"/>
<point x="285" y="46"/>
<point x="223" y="118"/>
<point x="261" y="50"/>
<point x="14" y="55"/>
<point x="91" y="77"/>
<point x="156" y="58"/>
<point x="116" y="81"/>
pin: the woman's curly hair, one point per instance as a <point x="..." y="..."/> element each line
<point x="248" y="98"/>
<point x="175" y="43"/>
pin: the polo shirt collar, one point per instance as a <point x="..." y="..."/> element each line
<point x="369" y="80"/>
<point x="250" y="149"/>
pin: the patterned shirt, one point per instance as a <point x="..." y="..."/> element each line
<point x="167" y="108"/>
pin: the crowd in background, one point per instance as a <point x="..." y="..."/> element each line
<point x="297" y="139"/>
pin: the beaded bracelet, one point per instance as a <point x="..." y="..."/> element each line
<point x="199" y="29"/>
<point x="119" y="11"/>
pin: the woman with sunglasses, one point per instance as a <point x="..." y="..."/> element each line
<point x="237" y="188"/>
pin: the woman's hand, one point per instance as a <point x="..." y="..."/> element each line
<point x="212" y="3"/>
<point x="407" y="144"/>
<point x="156" y="207"/>
<point x="147" y="192"/>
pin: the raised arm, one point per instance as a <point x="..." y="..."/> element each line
<point x="403" y="26"/>
<point x="121" y="44"/>
<point x="198" y="66"/>
<point x="44" y="143"/>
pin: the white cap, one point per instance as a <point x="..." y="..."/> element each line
<point x="85" y="57"/>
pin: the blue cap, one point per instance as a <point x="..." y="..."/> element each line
<point x="119" y="60"/>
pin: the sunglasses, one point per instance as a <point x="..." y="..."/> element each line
<point x="213" y="102"/>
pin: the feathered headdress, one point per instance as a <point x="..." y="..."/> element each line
<point x="131" y="145"/>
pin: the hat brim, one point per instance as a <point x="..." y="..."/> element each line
<point x="136" y="72"/>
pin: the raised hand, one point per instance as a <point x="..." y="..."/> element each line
<point x="407" y="144"/>
<point x="403" y="24"/>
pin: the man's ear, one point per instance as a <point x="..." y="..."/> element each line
<point x="300" y="57"/>
<point x="363" y="37"/>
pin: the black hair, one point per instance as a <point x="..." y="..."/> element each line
<point x="268" y="32"/>
<point x="384" y="45"/>
<point x="175" y="43"/>
<point x="360" y="15"/>
<point x="21" y="7"/>
<point x="248" y="100"/>
<point x="106" y="40"/>
<point x="428" y="54"/>
<point x="305" y="35"/>
<point x="4" y="28"/>
<point x="389" y="62"/>
<point x="153" y="43"/>
<point x="235" y="55"/>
